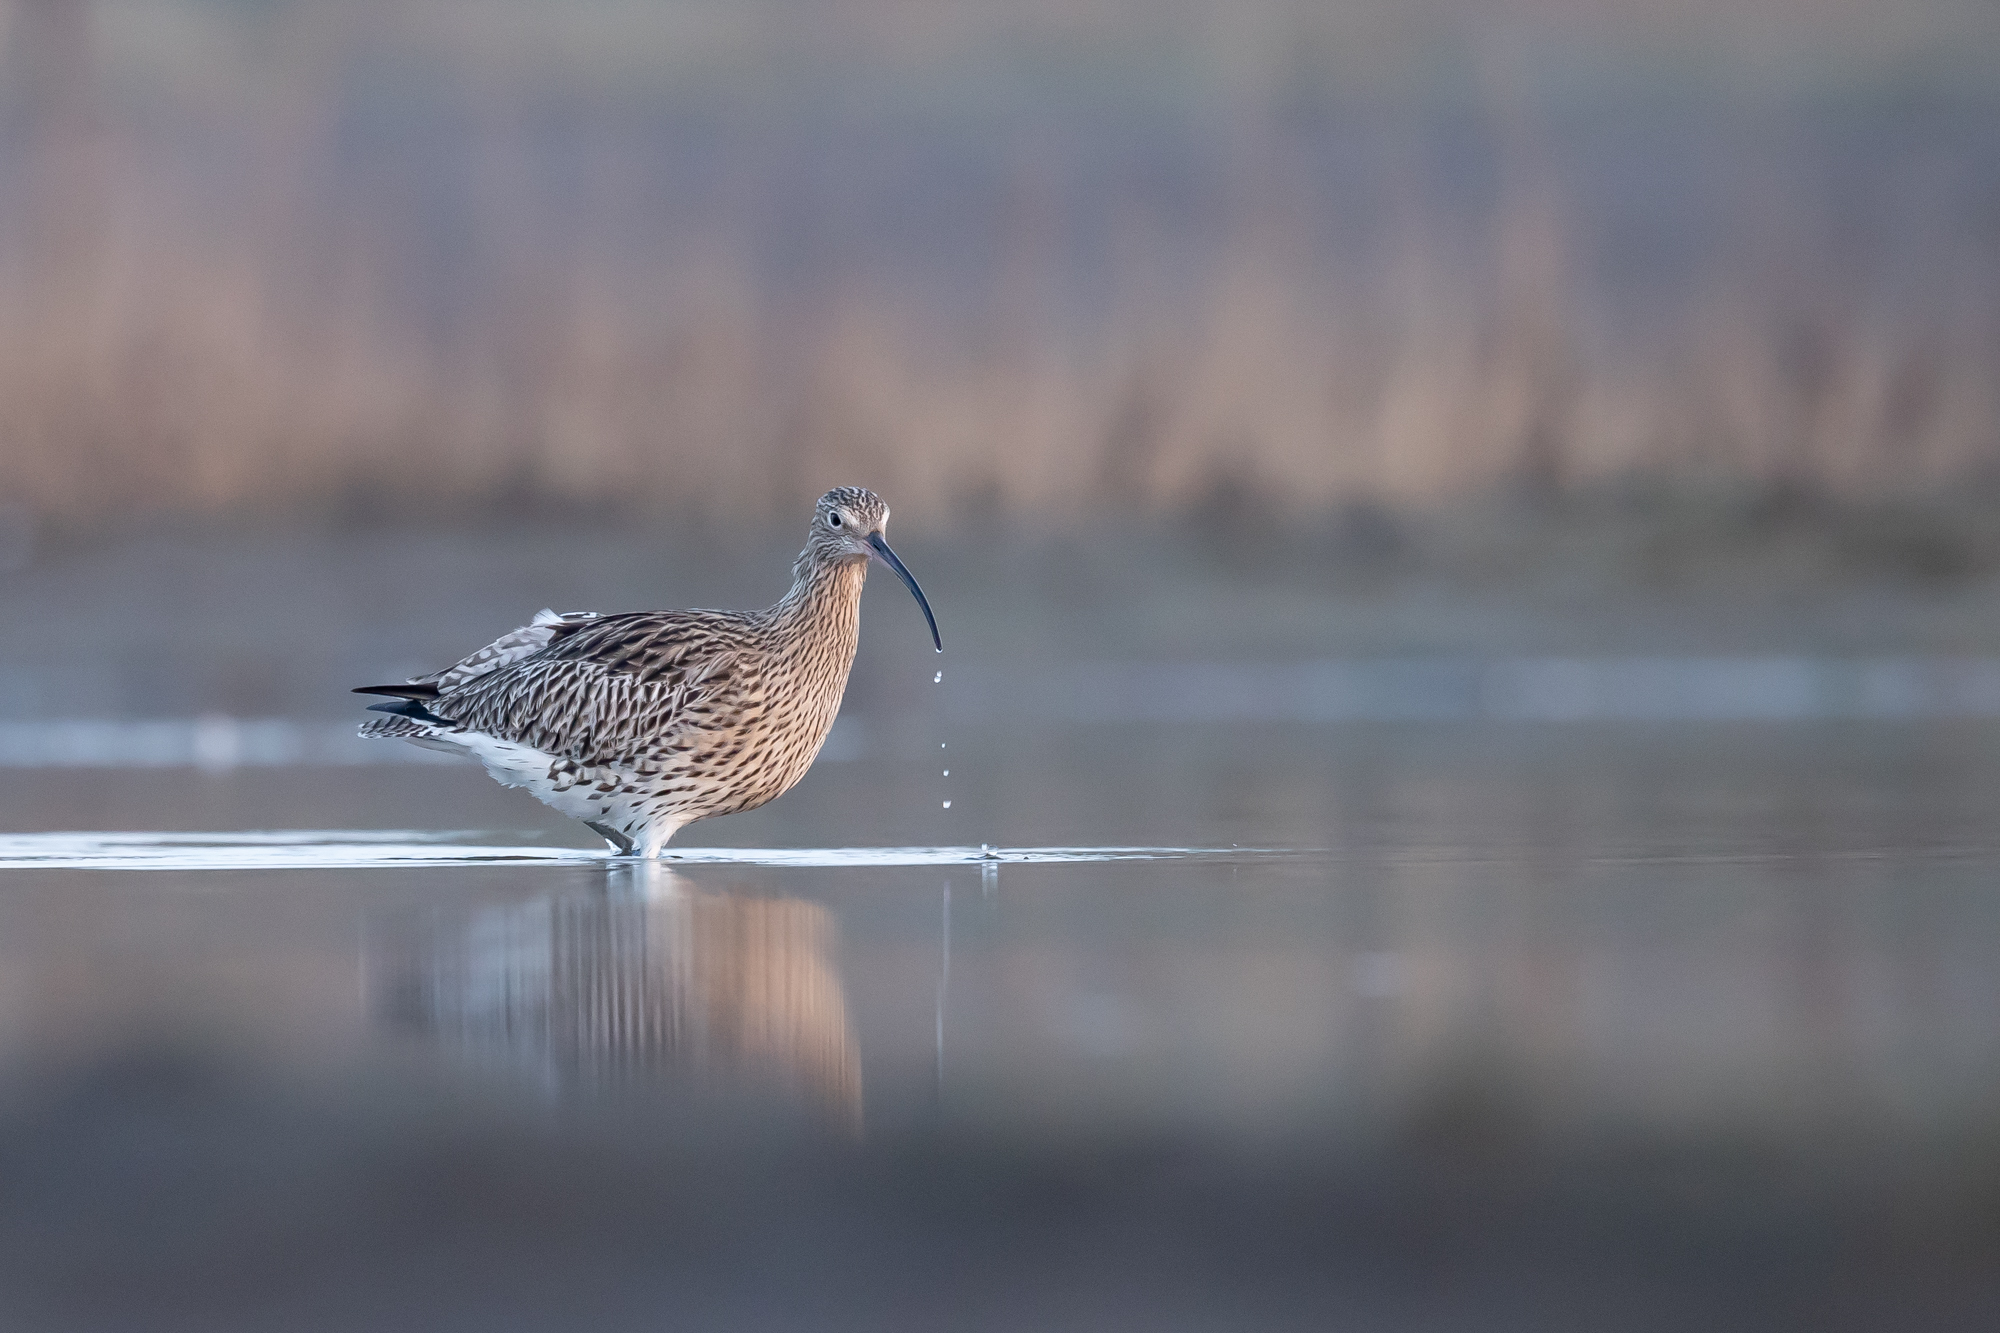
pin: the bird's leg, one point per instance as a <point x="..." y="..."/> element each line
<point x="656" y="839"/>
<point x="619" y="842"/>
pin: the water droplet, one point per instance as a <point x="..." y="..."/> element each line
<point x="947" y="772"/>
<point x="947" y="805"/>
<point x="938" y="679"/>
<point x="940" y="745"/>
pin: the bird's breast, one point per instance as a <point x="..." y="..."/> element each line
<point x="787" y="700"/>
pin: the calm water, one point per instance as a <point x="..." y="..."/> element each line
<point x="1555" y="935"/>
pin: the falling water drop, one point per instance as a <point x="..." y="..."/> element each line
<point x="938" y="679"/>
<point x="947" y="805"/>
<point x="947" y="772"/>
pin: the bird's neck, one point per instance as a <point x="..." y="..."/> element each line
<point x="825" y="598"/>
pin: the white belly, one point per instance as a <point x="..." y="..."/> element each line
<point x="513" y="764"/>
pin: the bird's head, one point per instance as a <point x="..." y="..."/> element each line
<point x="843" y="520"/>
<point x="847" y="526"/>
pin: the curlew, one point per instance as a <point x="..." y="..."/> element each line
<point x="641" y="722"/>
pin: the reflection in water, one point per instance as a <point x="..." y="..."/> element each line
<point x="645" y="979"/>
<point x="944" y="982"/>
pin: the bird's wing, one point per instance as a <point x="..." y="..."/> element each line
<point x="509" y="648"/>
<point x="610" y="689"/>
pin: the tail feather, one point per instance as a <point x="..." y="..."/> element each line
<point x="396" y="727"/>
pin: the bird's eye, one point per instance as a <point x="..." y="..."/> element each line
<point x="833" y="520"/>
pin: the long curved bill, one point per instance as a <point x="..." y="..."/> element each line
<point x="888" y="558"/>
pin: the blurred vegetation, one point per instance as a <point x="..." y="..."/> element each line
<point x="1270" y="259"/>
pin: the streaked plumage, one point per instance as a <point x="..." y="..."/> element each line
<point x="641" y="722"/>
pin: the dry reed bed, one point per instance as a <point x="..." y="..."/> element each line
<point x="170" y="373"/>
<point x="164" y="351"/>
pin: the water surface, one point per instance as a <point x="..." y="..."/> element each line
<point x="1166" y="976"/>
<point x="1764" y="922"/>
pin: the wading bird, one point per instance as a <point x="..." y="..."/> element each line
<point x="642" y="722"/>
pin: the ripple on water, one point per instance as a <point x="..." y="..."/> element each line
<point x="389" y="848"/>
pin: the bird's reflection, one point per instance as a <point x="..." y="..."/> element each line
<point x="648" y="977"/>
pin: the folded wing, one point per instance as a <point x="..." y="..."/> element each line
<point x="593" y="689"/>
<point x="509" y="648"/>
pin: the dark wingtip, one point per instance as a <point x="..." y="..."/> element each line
<point x="409" y="708"/>
<point x="400" y="691"/>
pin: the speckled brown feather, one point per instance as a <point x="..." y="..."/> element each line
<point x="654" y="719"/>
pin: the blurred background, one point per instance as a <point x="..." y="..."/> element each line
<point x="358" y="261"/>
<point x="1279" y="329"/>
<point x="1525" y="475"/>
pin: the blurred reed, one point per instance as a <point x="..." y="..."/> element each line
<point x="171" y="346"/>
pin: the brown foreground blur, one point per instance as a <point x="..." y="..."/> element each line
<point x="344" y="258"/>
